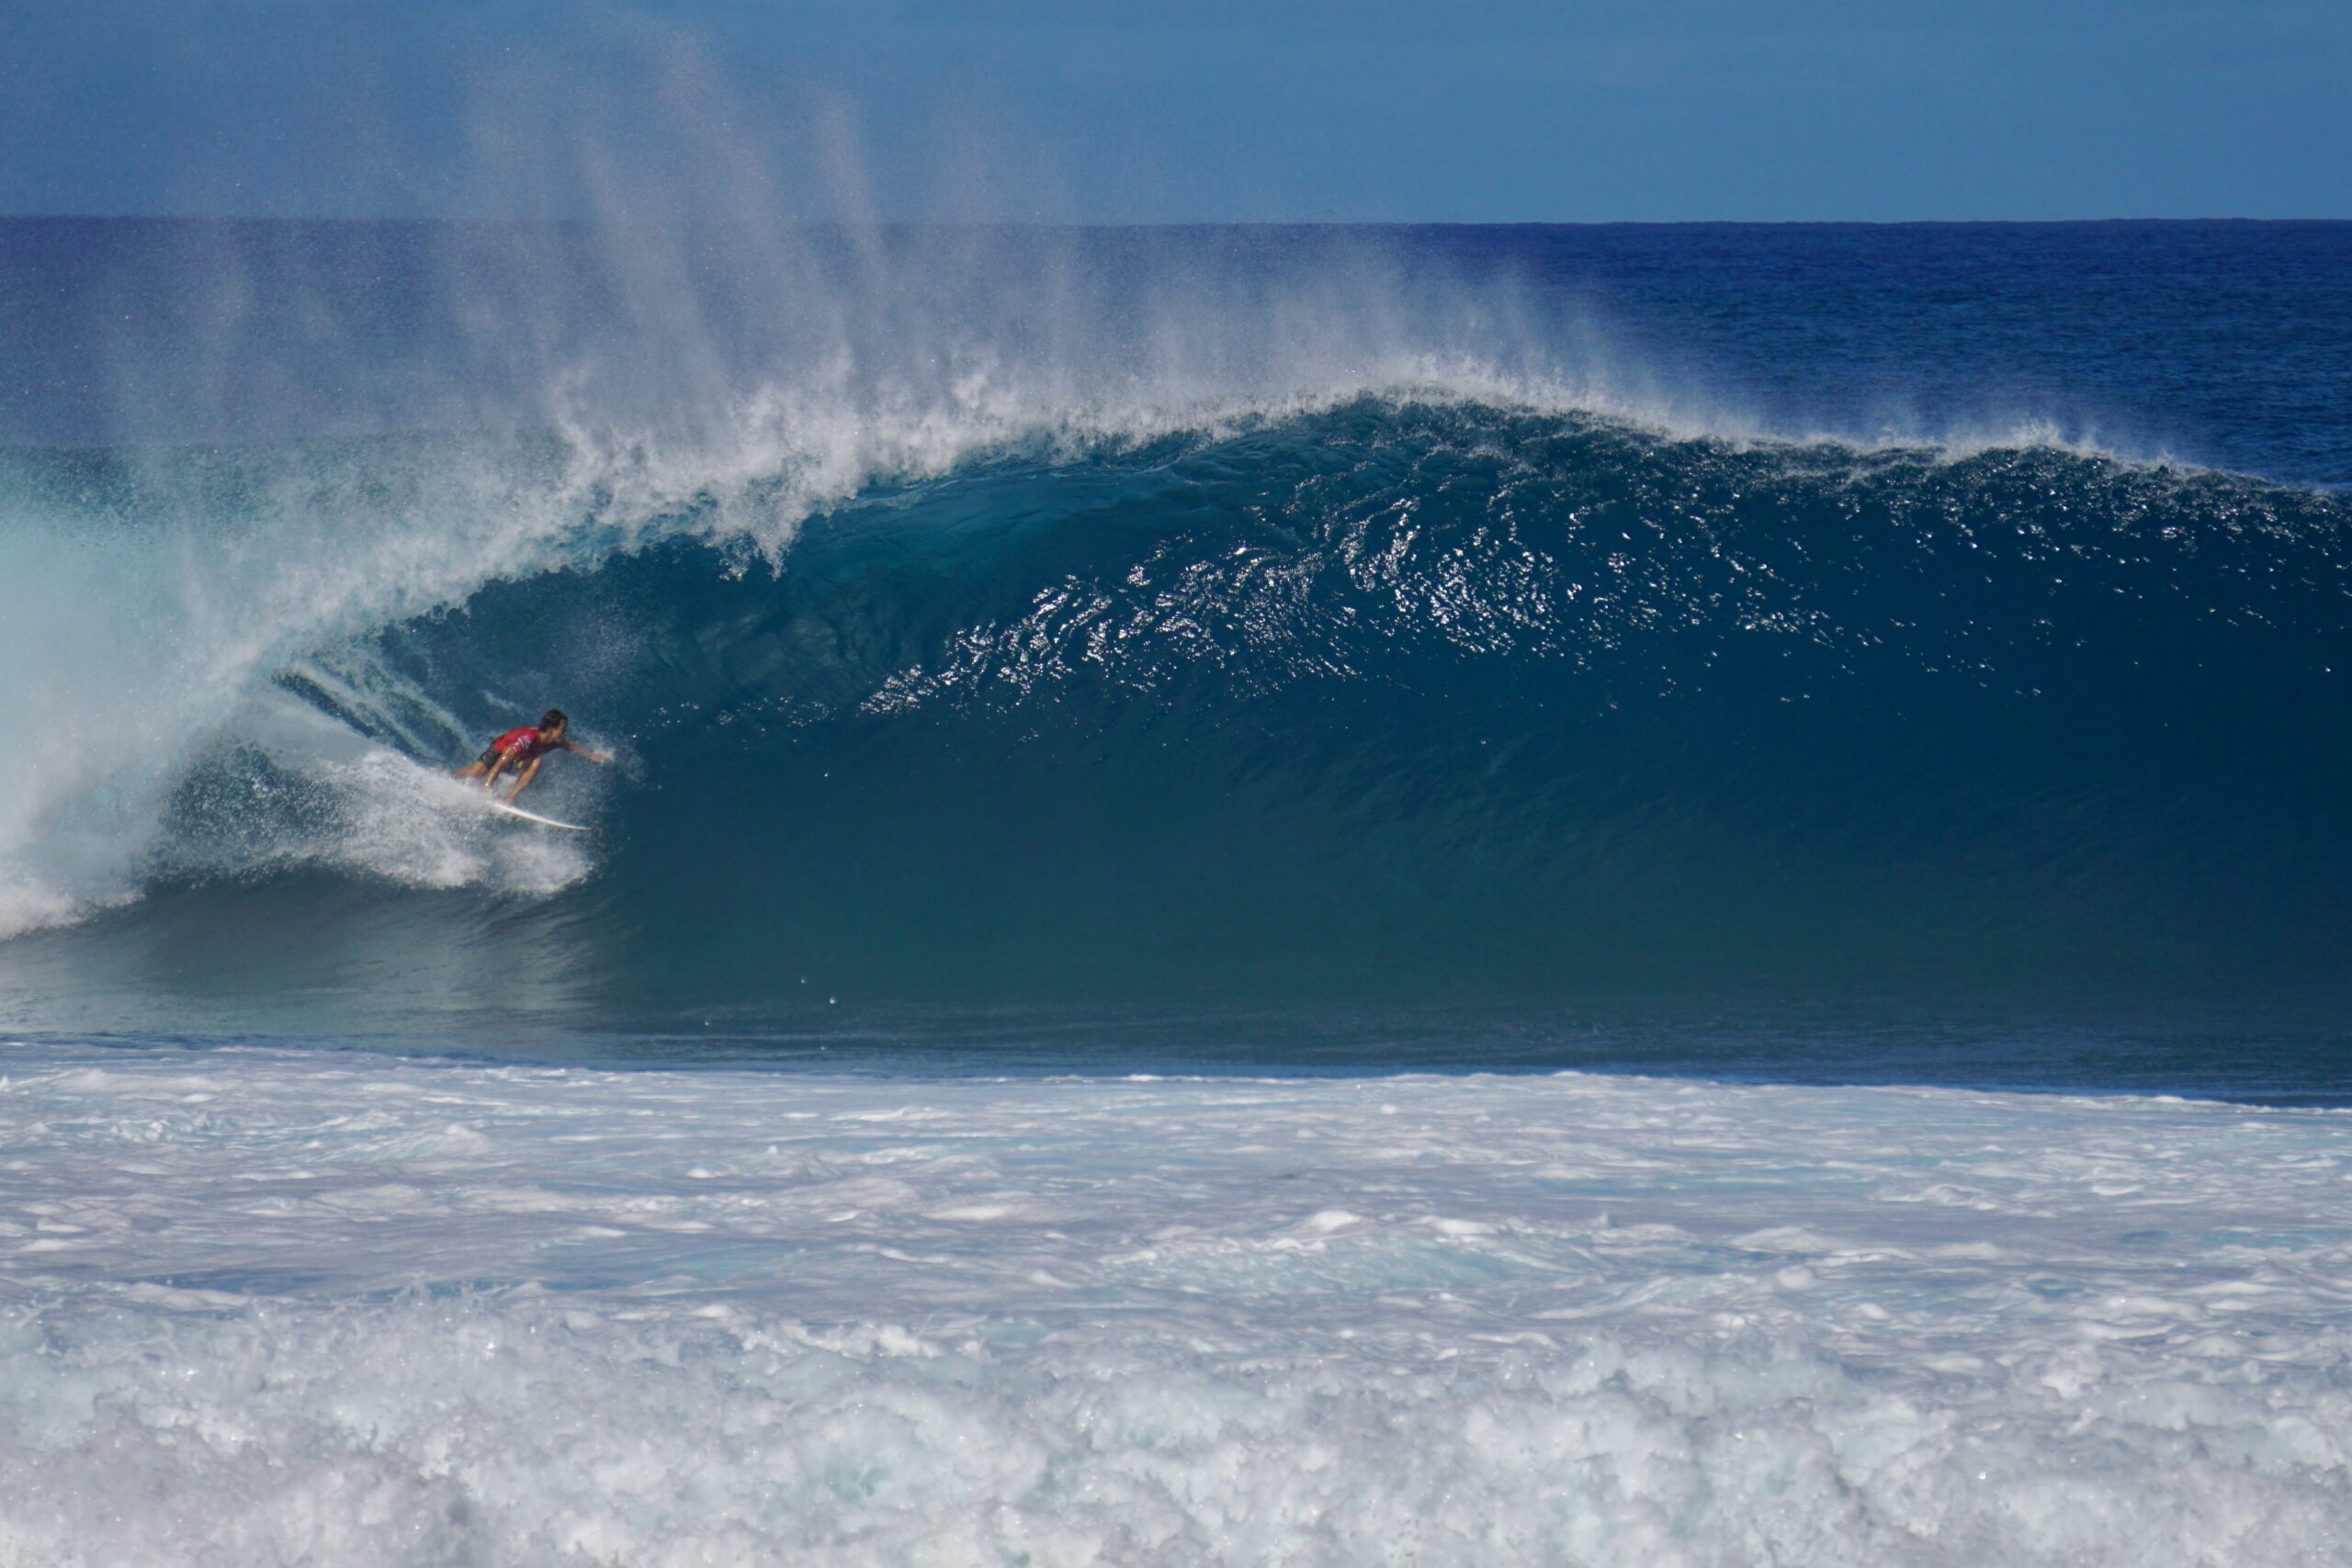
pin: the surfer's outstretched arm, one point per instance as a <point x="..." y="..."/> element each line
<point x="599" y="758"/>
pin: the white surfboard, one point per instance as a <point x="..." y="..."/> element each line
<point x="500" y="806"/>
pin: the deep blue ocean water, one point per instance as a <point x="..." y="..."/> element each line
<point x="1911" y="652"/>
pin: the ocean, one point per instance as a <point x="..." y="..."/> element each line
<point x="1609" y="895"/>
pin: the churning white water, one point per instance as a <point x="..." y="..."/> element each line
<point x="273" y="1308"/>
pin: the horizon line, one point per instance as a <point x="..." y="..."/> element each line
<point x="477" y="220"/>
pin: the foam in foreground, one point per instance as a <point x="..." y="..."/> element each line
<point x="263" y="1307"/>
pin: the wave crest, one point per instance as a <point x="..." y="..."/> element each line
<point x="1427" y="695"/>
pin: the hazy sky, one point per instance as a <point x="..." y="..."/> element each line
<point x="1192" y="109"/>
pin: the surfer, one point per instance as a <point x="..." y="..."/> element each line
<point x="526" y="748"/>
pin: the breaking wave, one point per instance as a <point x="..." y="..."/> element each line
<point x="1312" y="648"/>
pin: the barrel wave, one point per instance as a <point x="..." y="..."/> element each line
<point x="1406" y="698"/>
<point x="1248" y="650"/>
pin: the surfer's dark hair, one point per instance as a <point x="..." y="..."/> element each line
<point x="553" y="717"/>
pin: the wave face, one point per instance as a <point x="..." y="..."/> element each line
<point x="1405" y="681"/>
<point x="1456" y="699"/>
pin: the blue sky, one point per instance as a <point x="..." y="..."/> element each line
<point x="1064" y="111"/>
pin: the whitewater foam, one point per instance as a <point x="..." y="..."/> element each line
<point x="266" y="1305"/>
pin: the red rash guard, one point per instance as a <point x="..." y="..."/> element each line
<point x="520" y="745"/>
